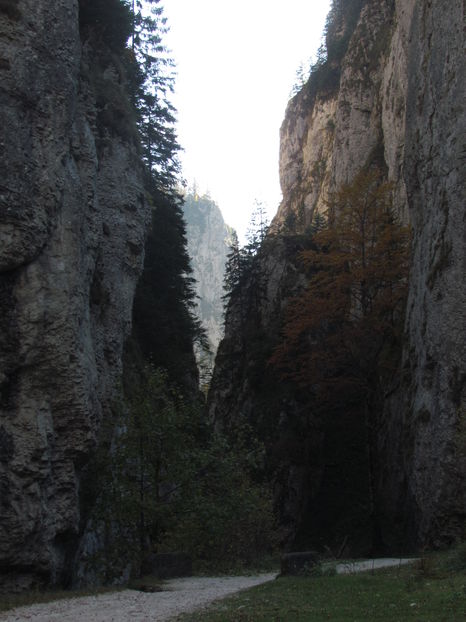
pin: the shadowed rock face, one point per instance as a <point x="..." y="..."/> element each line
<point x="429" y="406"/>
<point x="72" y="227"/>
<point x="399" y="104"/>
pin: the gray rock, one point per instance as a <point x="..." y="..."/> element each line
<point x="72" y="227"/>
<point x="400" y="103"/>
<point x="208" y="237"/>
<point x="425" y="445"/>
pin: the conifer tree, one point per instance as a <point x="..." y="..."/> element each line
<point x="163" y="318"/>
<point x="257" y="229"/>
<point x="152" y="84"/>
<point x="242" y="262"/>
<point x="233" y="267"/>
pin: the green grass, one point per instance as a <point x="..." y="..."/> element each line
<point x="430" y="590"/>
<point x="394" y="595"/>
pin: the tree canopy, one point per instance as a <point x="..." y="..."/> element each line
<point x="339" y="329"/>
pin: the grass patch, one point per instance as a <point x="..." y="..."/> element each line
<point x="33" y="597"/>
<point x="390" y="595"/>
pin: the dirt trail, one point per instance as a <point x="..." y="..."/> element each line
<point x="182" y="595"/>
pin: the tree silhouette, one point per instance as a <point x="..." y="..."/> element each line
<point x="257" y="229"/>
<point x="152" y="82"/>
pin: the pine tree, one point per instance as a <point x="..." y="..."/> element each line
<point x="242" y="262"/>
<point x="233" y="267"/>
<point x="257" y="229"/>
<point x="152" y="83"/>
<point x="164" y="321"/>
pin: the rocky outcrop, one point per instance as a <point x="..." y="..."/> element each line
<point x="331" y="131"/>
<point x="72" y="227"/>
<point x="394" y="99"/>
<point x="208" y="237"/>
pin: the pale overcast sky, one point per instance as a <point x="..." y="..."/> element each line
<point x="236" y="65"/>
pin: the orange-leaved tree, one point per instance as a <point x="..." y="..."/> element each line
<point x="341" y="330"/>
<point x="343" y="333"/>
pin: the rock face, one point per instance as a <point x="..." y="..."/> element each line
<point x="208" y="237"/>
<point x="72" y="227"/>
<point x="394" y="99"/>
<point x="429" y="405"/>
<point x="328" y="135"/>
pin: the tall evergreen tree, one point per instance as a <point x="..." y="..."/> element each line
<point x="164" y="322"/>
<point x="233" y="267"/>
<point x="257" y="229"/>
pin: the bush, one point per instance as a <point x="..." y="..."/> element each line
<point x="169" y="483"/>
<point x="226" y="519"/>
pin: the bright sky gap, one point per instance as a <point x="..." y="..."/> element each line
<point x="236" y="66"/>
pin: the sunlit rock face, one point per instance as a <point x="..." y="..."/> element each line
<point x="72" y="227"/>
<point x="328" y="135"/>
<point x="398" y="104"/>
<point x="208" y="238"/>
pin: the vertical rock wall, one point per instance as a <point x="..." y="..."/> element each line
<point x="399" y="104"/>
<point x="72" y="227"/>
<point x="208" y="238"/>
<point x="429" y="405"/>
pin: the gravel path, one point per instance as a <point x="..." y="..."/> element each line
<point x="372" y="564"/>
<point x="182" y="595"/>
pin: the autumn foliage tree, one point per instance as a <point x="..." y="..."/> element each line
<point x="340" y="330"/>
<point x="342" y="334"/>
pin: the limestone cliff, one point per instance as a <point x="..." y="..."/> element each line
<point x="392" y="95"/>
<point x="72" y="226"/>
<point x="429" y="403"/>
<point x="207" y="236"/>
